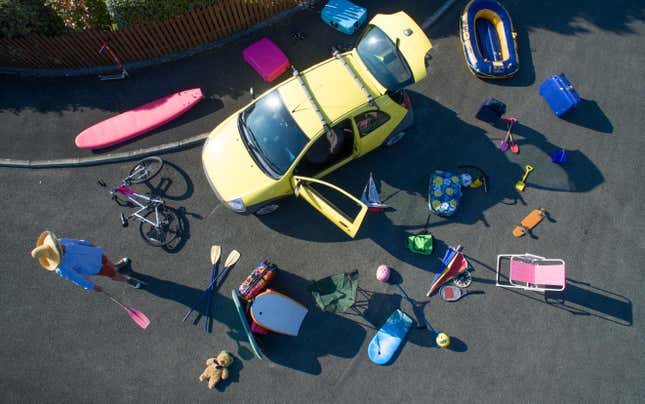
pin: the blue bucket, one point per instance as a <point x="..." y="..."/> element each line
<point x="559" y="157"/>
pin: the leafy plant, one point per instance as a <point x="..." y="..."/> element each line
<point x="20" y="18"/>
<point x="79" y="15"/>
<point x="126" y="12"/>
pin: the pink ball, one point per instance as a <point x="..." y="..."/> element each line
<point x="383" y="273"/>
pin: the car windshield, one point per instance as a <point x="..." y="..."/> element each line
<point x="271" y="134"/>
<point x="384" y="60"/>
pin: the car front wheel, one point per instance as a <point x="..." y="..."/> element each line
<point x="266" y="209"/>
<point x="394" y="139"/>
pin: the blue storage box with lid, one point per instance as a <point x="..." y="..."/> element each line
<point x="559" y="94"/>
<point x="344" y="15"/>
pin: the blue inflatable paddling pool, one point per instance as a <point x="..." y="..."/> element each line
<point x="488" y="40"/>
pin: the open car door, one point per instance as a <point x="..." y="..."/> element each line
<point x="303" y="189"/>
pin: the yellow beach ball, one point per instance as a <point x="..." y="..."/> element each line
<point x="442" y="340"/>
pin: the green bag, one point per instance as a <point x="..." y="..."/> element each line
<point x="335" y="293"/>
<point x="420" y="243"/>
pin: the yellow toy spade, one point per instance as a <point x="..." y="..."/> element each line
<point x="520" y="185"/>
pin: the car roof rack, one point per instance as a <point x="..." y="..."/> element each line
<point x="352" y="73"/>
<point x="330" y="135"/>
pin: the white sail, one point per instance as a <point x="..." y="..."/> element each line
<point x="370" y="196"/>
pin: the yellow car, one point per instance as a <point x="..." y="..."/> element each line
<point x="317" y="121"/>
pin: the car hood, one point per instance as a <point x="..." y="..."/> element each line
<point x="229" y="168"/>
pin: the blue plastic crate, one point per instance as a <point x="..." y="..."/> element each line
<point x="344" y="16"/>
<point x="559" y="94"/>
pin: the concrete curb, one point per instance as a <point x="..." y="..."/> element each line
<point x="108" y="158"/>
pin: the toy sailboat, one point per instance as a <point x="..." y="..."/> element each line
<point x="371" y="198"/>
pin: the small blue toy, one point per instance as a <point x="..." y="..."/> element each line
<point x="559" y="157"/>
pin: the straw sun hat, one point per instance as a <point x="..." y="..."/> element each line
<point x="48" y="250"/>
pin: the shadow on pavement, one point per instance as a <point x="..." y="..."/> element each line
<point x="589" y="115"/>
<point x="321" y="333"/>
<point x="222" y="310"/>
<point x="530" y="16"/>
<point x="578" y="298"/>
<point x="582" y="175"/>
<point x="171" y="176"/>
<point x="584" y="299"/>
<point x="336" y="334"/>
<point x="439" y="140"/>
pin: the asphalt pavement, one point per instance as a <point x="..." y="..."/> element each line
<point x="61" y="344"/>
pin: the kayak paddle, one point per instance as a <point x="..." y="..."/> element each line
<point x="228" y="264"/>
<point x="216" y="251"/>
<point x="136" y="316"/>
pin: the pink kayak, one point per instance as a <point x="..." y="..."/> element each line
<point x="139" y="120"/>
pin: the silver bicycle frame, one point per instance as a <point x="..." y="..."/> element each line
<point x="156" y="202"/>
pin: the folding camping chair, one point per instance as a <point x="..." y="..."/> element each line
<point x="532" y="272"/>
<point x="337" y="293"/>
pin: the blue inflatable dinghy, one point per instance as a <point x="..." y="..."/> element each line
<point x="488" y="40"/>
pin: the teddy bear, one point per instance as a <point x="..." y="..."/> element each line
<point x="216" y="369"/>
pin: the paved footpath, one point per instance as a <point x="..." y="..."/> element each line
<point x="60" y="344"/>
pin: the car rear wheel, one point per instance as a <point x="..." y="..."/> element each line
<point x="267" y="209"/>
<point x="394" y="139"/>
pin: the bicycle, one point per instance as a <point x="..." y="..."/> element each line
<point x="159" y="224"/>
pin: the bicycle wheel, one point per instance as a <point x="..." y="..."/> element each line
<point x="145" y="169"/>
<point x="169" y="227"/>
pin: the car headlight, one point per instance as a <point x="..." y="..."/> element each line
<point x="236" y="205"/>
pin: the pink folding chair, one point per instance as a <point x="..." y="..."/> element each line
<point x="532" y="272"/>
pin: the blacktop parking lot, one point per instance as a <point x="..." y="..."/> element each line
<point x="61" y="344"/>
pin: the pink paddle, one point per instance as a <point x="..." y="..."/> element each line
<point x="136" y="316"/>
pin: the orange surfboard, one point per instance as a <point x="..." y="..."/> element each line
<point x="139" y="120"/>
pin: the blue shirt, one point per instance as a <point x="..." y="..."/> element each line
<point x="79" y="259"/>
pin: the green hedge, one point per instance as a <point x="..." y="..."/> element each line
<point x="20" y="18"/>
<point x="125" y="12"/>
<point x="54" y="17"/>
<point x="82" y="14"/>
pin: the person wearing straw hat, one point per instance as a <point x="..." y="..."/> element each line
<point x="75" y="259"/>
